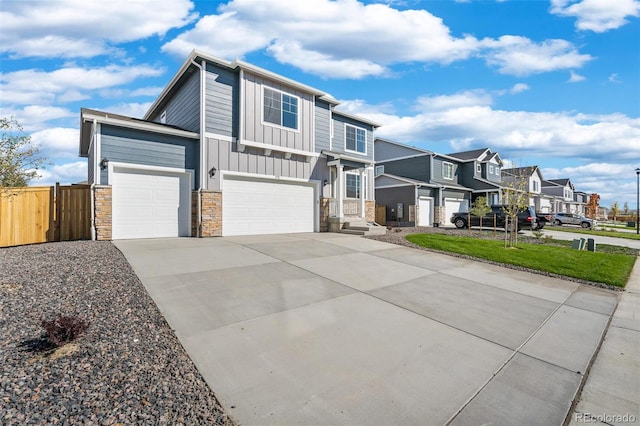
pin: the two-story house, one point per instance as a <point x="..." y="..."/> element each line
<point x="562" y="192"/>
<point x="229" y="148"/>
<point x="481" y="171"/>
<point x="529" y="179"/>
<point x="417" y="186"/>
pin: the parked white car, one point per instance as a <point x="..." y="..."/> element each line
<point x="573" y="219"/>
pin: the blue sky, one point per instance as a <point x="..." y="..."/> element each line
<point x="549" y="83"/>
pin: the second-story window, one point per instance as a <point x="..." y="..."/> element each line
<point x="280" y="109"/>
<point x="355" y="139"/>
<point x="447" y="170"/>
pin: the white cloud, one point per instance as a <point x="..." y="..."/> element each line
<point x="613" y="78"/>
<point x="65" y="174"/>
<point x="514" y="55"/>
<point x="78" y="28"/>
<point x="519" y="88"/>
<point x="67" y="84"/>
<point x="34" y="117"/>
<point x="575" y="77"/>
<point x="136" y="110"/>
<point x="57" y="142"/>
<point x="327" y="38"/>
<point x="597" y="15"/>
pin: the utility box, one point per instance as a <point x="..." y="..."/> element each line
<point x="591" y="244"/>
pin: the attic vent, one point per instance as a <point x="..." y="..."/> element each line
<point x="163" y="117"/>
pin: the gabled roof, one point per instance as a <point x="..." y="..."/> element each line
<point x="526" y="171"/>
<point x="401" y="180"/>
<point x="196" y="57"/>
<point x="415" y="148"/>
<point x="559" y="182"/>
<point x="476" y="154"/>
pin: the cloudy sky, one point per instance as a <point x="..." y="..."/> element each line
<point x="549" y="83"/>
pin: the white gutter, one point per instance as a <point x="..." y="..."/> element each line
<point x="241" y="112"/>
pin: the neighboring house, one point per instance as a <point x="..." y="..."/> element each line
<point x="562" y="192"/>
<point x="418" y="186"/>
<point x="581" y="200"/>
<point x="229" y="148"/>
<point x="481" y="170"/>
<point x="532" y="178"/>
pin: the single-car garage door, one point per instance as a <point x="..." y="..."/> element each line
<point x="150" y="203"/>
<point x="454" y="205"/>
<point x="252" y="206"/>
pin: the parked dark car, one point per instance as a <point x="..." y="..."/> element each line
<point x="526" y="218"/>
<point x="543" y="219"/>
<point x="573" y="219"/>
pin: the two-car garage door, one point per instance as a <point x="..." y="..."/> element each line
<point x="252" y="206"/>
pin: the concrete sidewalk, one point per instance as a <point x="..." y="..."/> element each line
<point x="334" y="329"/>
<point x="611" y="394"/>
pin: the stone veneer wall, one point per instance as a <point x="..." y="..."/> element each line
<point x="102" y="211"/>
<point x="324" y="214"/>
<point x="211" y="216"/>
<point x="438" y="215"/>
<point x="370" y="211"/>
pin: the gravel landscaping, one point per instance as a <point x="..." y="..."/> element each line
<point x="127" y="368"/>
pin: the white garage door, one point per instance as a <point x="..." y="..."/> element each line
<point x="150" y="204"/>
<point x="454" y="205"/>
<point x="425" y="211"/>
<point x="258" y="206"/>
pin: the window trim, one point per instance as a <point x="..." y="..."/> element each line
<point x="490" y="169"/>
<point x="478" y="168"/>
<point x="446" y="163"/>
<point x="280" y="126"/>
<point x="364" y="185"/>
<point x="379" y="170"/>
<point x="356" y="141"/>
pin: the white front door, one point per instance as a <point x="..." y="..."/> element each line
<point x="425" y="211"/>
<point x="253" y="205"/>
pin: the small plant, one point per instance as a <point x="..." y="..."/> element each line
<point x="537" y="233"/>
<point x="548" y="238"/>
<point x="64" y="329"/>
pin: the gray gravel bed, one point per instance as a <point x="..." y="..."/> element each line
<point x="127" y="368"/>
<point x="397" y="236"/>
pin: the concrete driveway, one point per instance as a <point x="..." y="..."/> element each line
<point x="333" y="329"/>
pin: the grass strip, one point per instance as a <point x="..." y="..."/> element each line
<point x="614" y="234"/>
<point x="611" y="269"/>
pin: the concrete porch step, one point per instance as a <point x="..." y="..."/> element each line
<point x="361" y="227"/>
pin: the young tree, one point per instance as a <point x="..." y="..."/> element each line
<point x="20" y="159"/>
<point x="592" y="206"/>
<point x="615" y="210"/>
<point x="480" y="208"/>
<point x="515" y="196"/>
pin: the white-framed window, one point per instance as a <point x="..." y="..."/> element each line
<point x="280" y="108"/>
<point x="490" y="169"/>
<point x="498" y="170"/>
<point x="447" y="170"/>
<point x="478" y="167"/>
<point x="353" y="185"/>
<point x="355" y="139"/>
<point x="535" y="186"/>
<point x="379" y="170"/>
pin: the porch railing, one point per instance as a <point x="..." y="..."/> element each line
<point x="350" y="207"/>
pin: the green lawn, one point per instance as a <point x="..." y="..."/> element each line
<point x="627" y="235"/>
<point x="611" y="269"/>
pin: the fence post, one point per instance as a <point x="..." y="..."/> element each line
<point x="58" y="209"/>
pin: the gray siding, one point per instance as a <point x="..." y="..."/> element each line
<point x="389" y="151"/>
<point x="467" y="173"/>
<point x="390" y="197"/>
<point x="428" y="192"/>
<point x="153" y="149"/>
<point x="323" y="126"/>
<point x="437" y="171"/>
<point x="414" y="168"/>
<point x="224" y="156"/>
<point x="221" y="94"/>
<point x="338" y="142"/>
<point x="183" y="107"/>
<point x="255" y="130"/>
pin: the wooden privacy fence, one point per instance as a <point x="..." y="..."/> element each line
<point x="43" y="214"/>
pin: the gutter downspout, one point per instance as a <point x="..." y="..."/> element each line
<point x="92" y="189"/>
<point x="202" y="143"/>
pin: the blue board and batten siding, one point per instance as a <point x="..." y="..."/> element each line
<point x="221" y="94"/>
<point x="323" y="126"/>
<point x="121" y="145"/>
